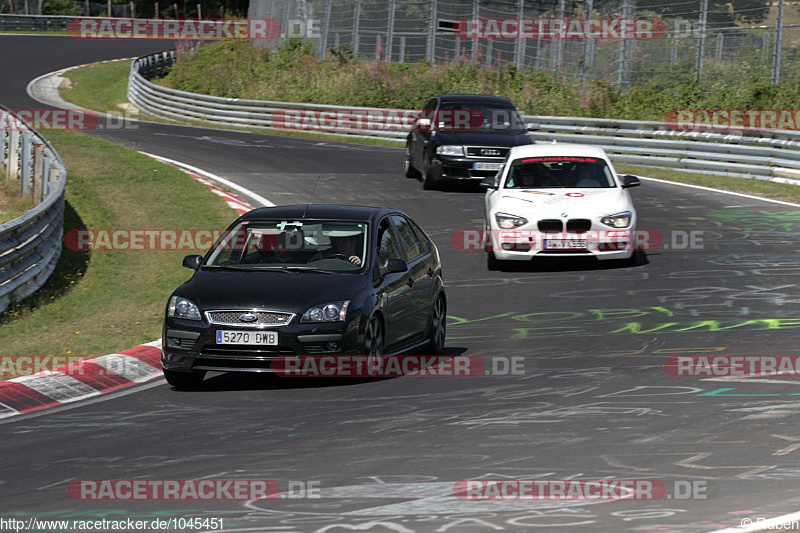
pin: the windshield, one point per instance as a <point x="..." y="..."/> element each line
<point x="559" y="173"/>
<point x="313" y="245"/>
<point x="484" y="116"/>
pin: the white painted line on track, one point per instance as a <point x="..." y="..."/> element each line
<point x="710" y="189"/>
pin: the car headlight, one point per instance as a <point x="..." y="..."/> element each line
<point x="620" y="220"/>
<point x="449" y="149"/>
<point x="506" y="221"/>
<point x="332" y="312"/>
<point x="183" y="308"/>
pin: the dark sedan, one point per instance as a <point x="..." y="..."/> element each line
<point x="305" y="280"/>
<point x="463" y="137"/>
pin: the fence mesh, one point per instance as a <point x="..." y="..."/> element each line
<point x="698" y="34"/>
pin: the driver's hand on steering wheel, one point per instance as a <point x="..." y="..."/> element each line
<point x="354" y="259"/>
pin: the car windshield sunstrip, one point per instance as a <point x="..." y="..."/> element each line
<point x="556" y="172"/>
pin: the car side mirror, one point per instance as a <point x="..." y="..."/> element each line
<point x="532" y="126"/>
<point x="394" y="265"/>
<point x="490" y="182"/>
<point x="424" y="124"/>
<point x="630" y="181"/>
<point x="193" y="261"/>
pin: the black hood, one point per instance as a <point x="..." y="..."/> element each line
<point x="275" y="291"/>
<point x="482" y="138"/>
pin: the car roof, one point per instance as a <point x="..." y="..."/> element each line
<point x="319" y="211"/>
<point x="477" y="98"/>
<point x="557" y="149"/>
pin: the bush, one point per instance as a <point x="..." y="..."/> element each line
<point x="291" y="72"/>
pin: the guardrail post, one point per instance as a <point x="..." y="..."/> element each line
<point x="720" y="46"/>
<point x="37" y="176"/>
<point x="25" y="164"/>
<point x="402" y="58"/>
<point x="53" y="177"/>
<point x="12" y="166"/>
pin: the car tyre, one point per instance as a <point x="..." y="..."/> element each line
<point x="184" y="380"/>
<point x="373" y="345"/>
<point x="429" y="183"/>
<point x="410" y="171"/>
<point x="492" y="262"/>
<point x="438" y="330"/>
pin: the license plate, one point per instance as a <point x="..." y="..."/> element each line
<point x="487" y="166"/>
<point x="258" y="338"/>
<point x="565" y="244"/>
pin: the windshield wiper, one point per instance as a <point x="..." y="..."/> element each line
<point x="225" y="267"/>
<point x="306" y="269"/>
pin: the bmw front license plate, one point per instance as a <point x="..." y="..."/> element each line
<point x="487" y="166"/>
<point x="252" y="338"/>
<point x="565" y="244"/>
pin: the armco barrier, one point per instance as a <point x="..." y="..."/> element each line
<point x="30" y="245"/>
<point x="766" y="155"/>
<point x="33" y="22"/>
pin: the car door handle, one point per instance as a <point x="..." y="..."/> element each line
<point x="430" y="272"/>
<point x="410" y="282"/>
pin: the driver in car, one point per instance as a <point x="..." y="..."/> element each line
<point x="345" y="244"/>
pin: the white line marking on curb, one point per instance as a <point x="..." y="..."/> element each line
<point x="763" y="525"/>
<point x="244" y="190"/>
<point x="750" y="196"/>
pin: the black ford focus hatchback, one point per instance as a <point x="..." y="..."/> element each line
<point x="305" y="280"/>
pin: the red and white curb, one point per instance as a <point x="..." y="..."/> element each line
<point x="92" y="377"/>
<point x="80" y="380"/>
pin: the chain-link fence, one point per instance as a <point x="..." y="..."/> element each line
<point x="694" y="34"/>
<point x="68" y="8"/>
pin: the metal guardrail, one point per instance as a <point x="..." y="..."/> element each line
<point x="30" y="245"/>
<point x="34" y="22"/>
<point x="766" y="155"/>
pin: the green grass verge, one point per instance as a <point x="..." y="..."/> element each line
<point x="99" y="87"/>
<point x="12" y="204"/>
<point x="103" y="86"/>
<point x="105" y="301"/>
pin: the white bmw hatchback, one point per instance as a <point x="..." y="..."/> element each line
<point x="562" y="200"/>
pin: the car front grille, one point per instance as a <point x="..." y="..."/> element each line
<point x="487" y="151"/>
<point x="234" y="318"/>
<point x="550" y="224"/>
<point x="579" y="224"/>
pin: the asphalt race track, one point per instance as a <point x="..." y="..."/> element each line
<point x="593" y="399"/>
